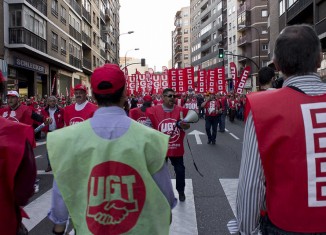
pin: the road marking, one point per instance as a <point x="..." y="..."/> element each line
<point x="42" y="172"/>
<point x="183" y="220"/>
<point x="40" y="143"/>
<point x="234" y="136"/>
<point x="184" y="214"/>
<point x="226" y="130"/>
<point x="38" y="156"/>
<point x="37" y="210"/>
<point x="230" y="187"/>
<point x="197" y="135"/>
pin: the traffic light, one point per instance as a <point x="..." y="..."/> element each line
<point x="221" y="53"/>
<point x="142" y="62"/>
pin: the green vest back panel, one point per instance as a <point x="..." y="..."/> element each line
<point x="107" y="185"/>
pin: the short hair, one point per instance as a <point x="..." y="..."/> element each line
<point x="108" y="99"/>
<point x="52" y="97"/>
<point x="297" y="50"/>
<point x="265" y="75"/>
<point x="166" y="90"/>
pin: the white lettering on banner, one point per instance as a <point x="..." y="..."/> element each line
<point x="314" y="119"/>
<point x="164" y="81"/>
<point x="180" y="80"/>
<point x="232" y="69"/>
<point x="243" y="80"/>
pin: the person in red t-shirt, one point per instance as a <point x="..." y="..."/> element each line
<point x="139" y="114"/>
<point x="18" y="171"/>
<point x="212" y="110"/>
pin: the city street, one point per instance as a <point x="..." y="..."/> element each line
<point x="210" y="199"/>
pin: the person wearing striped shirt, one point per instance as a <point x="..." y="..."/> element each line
<point x="282" y="182"/>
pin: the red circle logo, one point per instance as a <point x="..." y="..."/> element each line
<point x="141" y="120"/>
<point x="75" y="120"/>
<point x="167" y="126"/>
<point x="116" y="196"/>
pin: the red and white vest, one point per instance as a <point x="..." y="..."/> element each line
<point x="211" y="108"/>
<point x="165" y="122"/>
<point x="291" y="132"/>
<point x="22" y="114"/>
<point x="138" y="115"/>
<point x="72" y="116"/>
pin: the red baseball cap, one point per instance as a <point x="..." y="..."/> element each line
<point x="80" y="87"/>
<point x="147" y="98"/>
<point x="108" y="73"/>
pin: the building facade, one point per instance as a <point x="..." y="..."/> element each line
<point x="50" y="46"/>
<point x="181" y="39"/>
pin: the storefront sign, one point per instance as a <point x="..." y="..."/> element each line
<point x="29" y="65"/>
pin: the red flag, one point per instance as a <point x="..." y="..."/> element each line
<point x="243" y="79"/>
<point x="234" y="75"/>
<point x="221" y="79"/>
<point x="189" y="81"/>
<point x="201" y="74"/>
<point x="173" y="79"/>
<point x="53" y="83"/>
<point x="211" y="81"/>
<point x="137" y="72"/>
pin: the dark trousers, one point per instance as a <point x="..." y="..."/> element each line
<point x="201" y="111"/>
<point x="268" y="228"/>
<point x="180" y="172"/>
<point x="211" y="127"/>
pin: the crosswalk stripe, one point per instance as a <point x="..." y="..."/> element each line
<point x="230" y="187"/>
<point x="40" y="143"/>
<point x="183" y="215"/>
<point x="37" y="210"/>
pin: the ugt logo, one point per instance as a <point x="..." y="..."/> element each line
<point x="167" y="126"/>
<point x="75" y="120"/>
<point x="116" y="196"/>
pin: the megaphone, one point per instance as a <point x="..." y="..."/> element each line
<point x="192" y="117"/>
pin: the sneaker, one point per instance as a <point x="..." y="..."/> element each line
<point x="182" y="197"/>
<point x="37" y="186"/>
<point x="213" y="142"/>
<point x="209" y="142"/>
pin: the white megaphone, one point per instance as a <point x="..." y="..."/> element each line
<point x="192" y="117"/>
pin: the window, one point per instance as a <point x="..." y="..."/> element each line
<point x="94" y="18"/>
<point x="233" y="38"/>
<point x="29" y="20"/>
<point x="16" y="18"/>
<point x="291" y="2"/>
<point x="230" y="40"/>
<point x="185" y="31"/>
<point x="264" y="47"/>
<point x="214" y="11"/>
<point x="74" y="49"/>
<point x="185" y="48"/>
<point x="185" y="56"/>
<point x="54" y="8"/>
<point x="63" y="46"/>
<point x="185" y="39"/>
<point x="94" y="61"/>
<point x="63" y="15"/>
<point x="54" y="42"/>
<point x="214" y="23"/>
<point x="282" y="7"/>
<point x="264" y="13"/>
<point x="214" y="35"/>
<point x="219" y="6"/>
<point x="230" y="26"/>
<point x="214" y="48"/>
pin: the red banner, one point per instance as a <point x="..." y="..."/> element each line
<point x="188" y="76"/>
<point x="243" y="79"/>
<point x="132" y="84"/>
<point x="201" y="74"/>
<point x="234" y="75"/>
<point x="221" y="79"/>
<point x="211" y="81"/>
<point x="173" y="79"/>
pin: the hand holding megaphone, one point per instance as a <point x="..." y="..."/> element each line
<point x="192" y="117"/>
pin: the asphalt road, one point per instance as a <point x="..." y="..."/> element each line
<point x="207" y="208"/>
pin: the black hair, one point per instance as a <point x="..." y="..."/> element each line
<point x="2" y="88"/>
<point x="265" y="75"/>
<point x="108" y="99"/>
<point x="166" y="90"/>
<point x="297" y="50"/>
<point x="145" y="106"/>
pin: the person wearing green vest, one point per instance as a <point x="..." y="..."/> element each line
<point x="120" y="183"/>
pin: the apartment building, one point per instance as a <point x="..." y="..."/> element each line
<point x="208" y="32"/>
<point x="289" y="12"/>
<point x="253" y="35"/>
<point x="181" y="39"/>
<point x="50" y="46"/>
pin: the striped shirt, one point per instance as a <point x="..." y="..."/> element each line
<point x="251" y="188"/>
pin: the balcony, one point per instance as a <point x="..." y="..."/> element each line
<point x="39" y="5"/>
<point x="297" y="7"/>
<point x="74" y="5"/>
<point x="86" y="39"/>
<point x="244" y="7"/>
<point x="74" y="61"/>
<point x="24" y="36"/>
<point x="87" y="64"/>
<point x="103" y="53"/>
<point x="102" y="16"/>
<point x="73" y="32"/>
<point x="86" y="15"/>
<point x="243" y="40"/>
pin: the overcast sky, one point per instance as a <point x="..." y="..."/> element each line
<point x="153" y="22"/>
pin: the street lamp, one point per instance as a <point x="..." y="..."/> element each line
<point x="116" y="51"/>
<point x="242" y="26"/>
<point x="136" y="49"/>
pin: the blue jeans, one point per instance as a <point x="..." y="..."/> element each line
<point x="211" y="127"/>
<point x="180" y="172"/>
<point x="58" y="213"/>
<point x="221" y="122"/>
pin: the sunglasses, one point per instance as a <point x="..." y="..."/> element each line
<point x="170" y="96"/>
